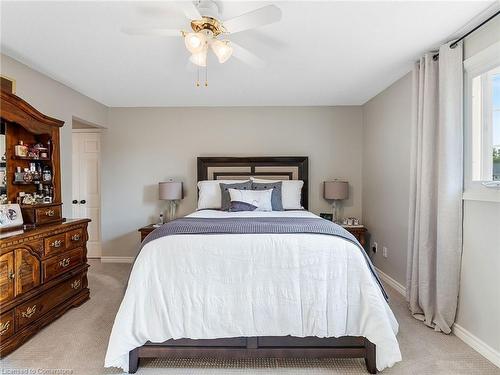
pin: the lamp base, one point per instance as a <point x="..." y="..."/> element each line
<point x="170" y="211"/>
<point x="335" y="211"/>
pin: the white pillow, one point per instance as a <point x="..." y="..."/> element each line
<point x="291" y="191"/>
<point x="259" y="198"/>
<point x="209" y="193"/>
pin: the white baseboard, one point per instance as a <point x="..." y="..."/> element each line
<point x="117" y="259"/>
<point x="391" y="282"/>
<point x="478" y="345"/>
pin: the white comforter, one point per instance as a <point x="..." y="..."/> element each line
<point x="232" y="285"/>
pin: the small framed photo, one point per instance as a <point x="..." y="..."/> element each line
<point x="10" y="216"/>
<point x="8" y="84"/>
<point x="325" y="216"/>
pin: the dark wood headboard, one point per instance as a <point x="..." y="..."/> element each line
<point x="273" y="168"/>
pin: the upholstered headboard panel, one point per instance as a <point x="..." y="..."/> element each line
<point x="242" y="168"/>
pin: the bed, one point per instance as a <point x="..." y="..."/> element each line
<point x="232" y="295"/>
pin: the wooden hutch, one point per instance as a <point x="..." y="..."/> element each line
<point x="43" y="265"/>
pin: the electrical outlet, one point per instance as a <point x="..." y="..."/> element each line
<point x="375" y="247"/>
<point x="384" y="252"/>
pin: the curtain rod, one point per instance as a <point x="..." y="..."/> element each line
<point x="454" y="44"/>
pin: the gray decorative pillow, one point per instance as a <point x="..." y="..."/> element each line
<point x="224" y="192"/>
<point x="276" y="195"/>
<point x="237" y="206"/>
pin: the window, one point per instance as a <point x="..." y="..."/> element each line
<point x="482" y="125"/>
<point x="485" y="92"/>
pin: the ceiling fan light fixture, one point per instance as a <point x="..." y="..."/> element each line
<point x="195" y="42"/>
<point x="199" y="58"/>
<point x="222" y="50"/>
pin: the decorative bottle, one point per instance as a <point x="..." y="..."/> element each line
<point x="21" y="149"/>
<point x="47" y="174"/>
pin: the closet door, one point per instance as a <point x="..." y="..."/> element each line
<point x="87" y="186"/>
<point x="75" y="168"/>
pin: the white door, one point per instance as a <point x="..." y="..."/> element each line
<point x="87" y="185"/>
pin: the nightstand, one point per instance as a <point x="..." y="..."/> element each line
<point x="146" y="230"/>
<point x="357" y="231"/>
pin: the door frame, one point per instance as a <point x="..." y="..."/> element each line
<point x="98" y="131"/>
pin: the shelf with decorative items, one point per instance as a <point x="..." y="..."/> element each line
<point x="33" y="178"/>
<point x="32" y="165"/>
<point x="29" y="158"/>
<point x="31" y="183"/>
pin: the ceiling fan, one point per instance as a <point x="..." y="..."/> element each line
<point x="208" y="31"/>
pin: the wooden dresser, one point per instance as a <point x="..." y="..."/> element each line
<point x="43" y="273"/>
<point x="43" y="265"/>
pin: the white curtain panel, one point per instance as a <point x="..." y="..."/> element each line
<point x="435" y="217"/>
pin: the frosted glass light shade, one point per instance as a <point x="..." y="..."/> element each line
<point x="222" y="50"/>
<point x="336" y="190"/>
<point x="199" y="58"/>
<point x="195" y="42"/>
<point x="170" y="190"/>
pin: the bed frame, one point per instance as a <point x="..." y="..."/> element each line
<point x="284" y="168"/>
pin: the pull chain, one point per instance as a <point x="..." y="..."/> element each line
<point x="198" y="76"/>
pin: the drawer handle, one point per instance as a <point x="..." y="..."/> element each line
<point x="30" y="311"/>
<point x="50" y="213"/>
<point x="64" y="262"/>
<point x="4" y="327"/>
<point x="12" y="275"/>
<point x="75" y="237"/>
<point x="76" y="284"/>
<point x="56" y="243"/>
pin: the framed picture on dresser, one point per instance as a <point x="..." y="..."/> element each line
<point x="10" y="216"/>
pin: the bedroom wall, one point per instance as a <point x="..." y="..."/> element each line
<point x="56" y="100"/>
<point x="386" y="163"/>
<point x="482" y="38"/>
<point x="143" y="146"/>
<point x="479" y="298"/>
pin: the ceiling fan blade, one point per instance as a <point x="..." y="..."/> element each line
<point x="256" y="18"/>
<point x="189" y="9"/>
<point x="155" y="31"/>
<point x="246" y="56"/>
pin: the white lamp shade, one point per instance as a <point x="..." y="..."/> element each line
<point x="195" y="42"/>
<point x="199" y="58"/>
<point x="170" y="190"/>
<point x="336" y="190"/>
<point x="222" y="50"/>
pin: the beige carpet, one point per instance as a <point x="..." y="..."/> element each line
<point x="77" y="343"/>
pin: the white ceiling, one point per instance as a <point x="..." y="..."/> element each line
<point x="320" y="53"/>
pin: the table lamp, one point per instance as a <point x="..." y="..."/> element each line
<point x="336" y="191"/>
<point x="170" y="191"/>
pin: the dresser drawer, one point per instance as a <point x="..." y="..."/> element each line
<point x="47" y="214"/>
<point x="74" y="238"/>
<point x="35" y="308"/>
<point x="6" y="324"/>
<point x="59" y="264"/>
<point x="55" y="244"/>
